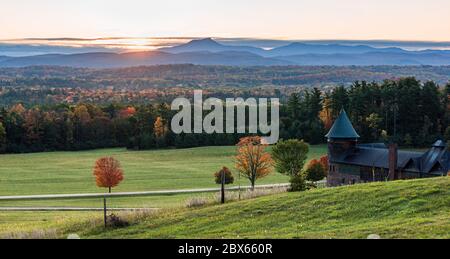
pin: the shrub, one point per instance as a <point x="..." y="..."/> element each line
<point x="229" y="178"/>
<point x="115" y="221"/>
<point x="298" y="183"/>
<point x="315" y="172"/>
<point x="324" y="162"/>
<point x="290" y="156"/>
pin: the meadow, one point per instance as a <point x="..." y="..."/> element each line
<point x="71" y="172"/>
<point x="401" y="209"/>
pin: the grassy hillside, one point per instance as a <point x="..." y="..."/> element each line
<point x="71" y="172"/>
<point x="403" y="209"/>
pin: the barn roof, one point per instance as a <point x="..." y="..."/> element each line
<point x="375" y="155"/>
<point x="378" y="157"/>
<point x="342" y="128"/>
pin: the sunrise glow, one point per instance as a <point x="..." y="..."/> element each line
<point x="283" y="19"/>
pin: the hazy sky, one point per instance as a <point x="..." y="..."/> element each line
<point x="285" y="19"/>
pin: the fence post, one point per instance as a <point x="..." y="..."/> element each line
<point x="104" y="210"/>
<point x="223" y="187"/>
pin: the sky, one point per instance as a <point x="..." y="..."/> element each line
<point x="427" y="20"/>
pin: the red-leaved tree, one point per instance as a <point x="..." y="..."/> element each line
<point x="108" y="174"/>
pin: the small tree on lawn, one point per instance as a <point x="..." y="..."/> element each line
<point x="290" y="157"/>
<point x="224" y="177"/>
<point x="252" y="160"/>
<point x="108" y="174"/>
<point x="316" y="171"/>
<point x="229" y="178"/>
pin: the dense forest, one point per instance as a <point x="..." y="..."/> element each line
<point x="212" y="76"/>
<point x="404" y="111"/>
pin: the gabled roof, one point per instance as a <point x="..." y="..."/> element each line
<point x="438" y="153"/>
<point x="374" y="157"/>
<point x="440" y="143"/>
<point x="342" y="128"/>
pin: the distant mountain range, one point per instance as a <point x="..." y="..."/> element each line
<point x="210" y="52"/>
<point x="295" y="48"/>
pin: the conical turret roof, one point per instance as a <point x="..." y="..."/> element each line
<point x="342" y="128"/>
<point x="440" y="143"/>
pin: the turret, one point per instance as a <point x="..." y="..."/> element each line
<point x="342" y="136"/>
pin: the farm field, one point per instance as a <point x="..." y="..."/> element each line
<point x="71" y="172"/>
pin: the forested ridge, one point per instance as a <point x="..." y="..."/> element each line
<point x="406" y="111"/>
<point x="218" y="76"/>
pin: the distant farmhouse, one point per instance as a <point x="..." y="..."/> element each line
<point x="351" y="163"/>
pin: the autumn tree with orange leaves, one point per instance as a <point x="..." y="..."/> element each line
<point x="108" y="174"/>
<point x="159" y="128"/>
<point x="252" y="160"/>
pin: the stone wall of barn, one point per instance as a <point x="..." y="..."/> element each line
<point x="343" y="175"/>
<point x="340" y="174"/>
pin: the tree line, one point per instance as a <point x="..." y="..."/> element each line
<point x="404" y="111"/>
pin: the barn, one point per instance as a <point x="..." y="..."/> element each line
<point x="351" y="162"/>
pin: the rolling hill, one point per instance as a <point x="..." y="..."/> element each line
<point x="298" y="48"/>
<point x="402" y="209"/>
<point x="371" y="59"/>
<point x="116" y="60"/>
<point x="210" y="52"/>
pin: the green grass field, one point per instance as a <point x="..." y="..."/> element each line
<point x="71" y="172"/>
<point x="402" y="209"/>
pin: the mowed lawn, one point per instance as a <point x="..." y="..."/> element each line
<point x="71" y="172"/>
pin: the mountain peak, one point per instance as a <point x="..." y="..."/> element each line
<point x="205" y="41"/>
